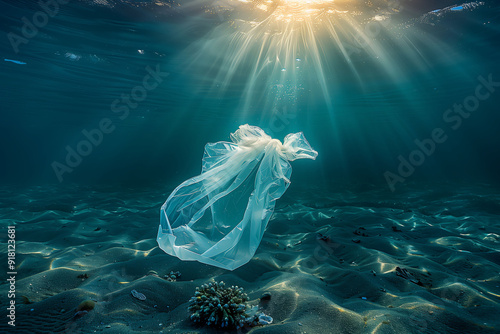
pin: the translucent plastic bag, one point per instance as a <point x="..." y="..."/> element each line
<point x="219" y="217"/>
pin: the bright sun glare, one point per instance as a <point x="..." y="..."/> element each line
<point x="268" y="43"/>
<point x="299" y="10"/>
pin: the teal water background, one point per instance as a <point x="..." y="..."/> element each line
<point x="344" y="249"/>
<point x="65" y="79"/>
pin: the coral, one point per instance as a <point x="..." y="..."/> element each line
<point x="173" y="276"/>
<point x="83" y="276"/>
<point x="215" y="305"/>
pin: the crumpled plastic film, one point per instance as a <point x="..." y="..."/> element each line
<point x="219" y="217"/>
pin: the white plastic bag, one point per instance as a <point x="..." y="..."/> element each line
<point x="219" y="217"/>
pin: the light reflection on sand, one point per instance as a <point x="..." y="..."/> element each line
<point x="346" y="279"/>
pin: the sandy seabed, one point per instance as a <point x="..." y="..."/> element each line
<point x="354" y="260"/>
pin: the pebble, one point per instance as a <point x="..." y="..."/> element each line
<point x="266" y="296"/>
<point x="138" y="295"/>
<point x="265" y="319"/>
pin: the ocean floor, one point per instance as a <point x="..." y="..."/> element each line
<point x="422" y="260"/>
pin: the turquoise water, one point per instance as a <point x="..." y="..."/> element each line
<point x="360" y="106"/>
<point x="107" y="105"/>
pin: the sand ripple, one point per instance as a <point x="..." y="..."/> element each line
<point x="420" y="261"/>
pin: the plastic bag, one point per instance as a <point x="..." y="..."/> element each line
<point x="219" y="217"/>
